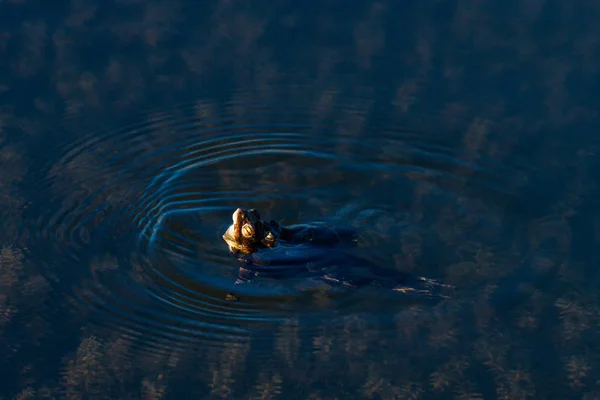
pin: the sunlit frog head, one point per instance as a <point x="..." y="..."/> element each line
<point x="248" y="233"/>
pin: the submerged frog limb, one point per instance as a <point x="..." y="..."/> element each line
<point x="269" y="249"/>
<point x="336" y="270"/>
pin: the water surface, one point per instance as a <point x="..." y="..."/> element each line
<point x="457" y="137"/>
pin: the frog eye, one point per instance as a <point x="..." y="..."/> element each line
<point x="269" y="236"/>
<point x="247" y="230"/>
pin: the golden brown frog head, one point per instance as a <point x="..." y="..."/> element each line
<point x="248" y="233"/>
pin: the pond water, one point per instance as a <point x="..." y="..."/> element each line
<point x="458" y="138"/>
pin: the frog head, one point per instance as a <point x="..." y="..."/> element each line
<point x="248" y="232"/>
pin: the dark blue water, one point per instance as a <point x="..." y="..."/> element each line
<point x="459" y="138"/>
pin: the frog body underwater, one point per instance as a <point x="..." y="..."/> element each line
<point x="269" y="249"/>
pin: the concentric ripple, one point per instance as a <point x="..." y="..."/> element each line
<point x="131" y="219"/>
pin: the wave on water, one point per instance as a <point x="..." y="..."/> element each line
<point x="129" y="220"/>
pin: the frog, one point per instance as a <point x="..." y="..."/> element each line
<point x="314" y="250"/>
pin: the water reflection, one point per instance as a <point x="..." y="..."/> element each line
<point x="457" y="136"/>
